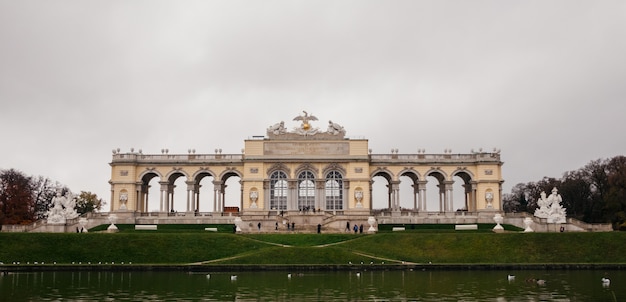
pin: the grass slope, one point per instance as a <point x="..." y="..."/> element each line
<point x="184" y="247"/>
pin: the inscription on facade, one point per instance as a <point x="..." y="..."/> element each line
<point x="254" y="170"/>
<point x="358" y="170"/>
<point x="307" y="148"/>
<point x="124" y="173"/>
<point x="488" y="172"/>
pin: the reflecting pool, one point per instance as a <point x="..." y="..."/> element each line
<point x="569" y="285"/>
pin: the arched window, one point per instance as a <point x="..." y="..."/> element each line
<point x="334" y="191"/>
<point x="278" y="191"/>
<point x="306" y="191"/>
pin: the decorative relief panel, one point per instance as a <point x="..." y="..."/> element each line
<point x="307" y="148"/>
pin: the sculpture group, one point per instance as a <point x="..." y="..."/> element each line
<point x="550" y="207"/>
<point x="63" y="208"/>
<point x="305" y="127"/>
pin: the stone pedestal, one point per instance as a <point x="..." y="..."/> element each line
<point x="112" y="228"/>
<point x="372" y="222"/>
<point x="83" y="222"/>
<point x="498" y="219"/>
<point x="528" y="222"/>
<point x="238" y="223"/>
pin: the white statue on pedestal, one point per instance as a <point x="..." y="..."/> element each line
<point x="254" y="195"/>
<point x="63" y="208"/>
<point x="489" y="199"/>
<point x="123" y="201"/>
<point x="358" y="195"/>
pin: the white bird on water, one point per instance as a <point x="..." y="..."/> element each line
<point x="510" y="278"/>
<point x="606" y="281"/>
<point x="233" y="278"/>
<point x="541" y="282"/>
<point x="289" y="275"/>
<point x="208" y="276"/>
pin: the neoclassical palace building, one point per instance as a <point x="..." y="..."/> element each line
<point x="306" y="169"/>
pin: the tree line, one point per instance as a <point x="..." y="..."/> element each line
<point x="595" y="193"/>
<point x="25" y="199"/>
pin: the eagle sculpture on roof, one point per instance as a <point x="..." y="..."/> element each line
<point x="305" y="120"/>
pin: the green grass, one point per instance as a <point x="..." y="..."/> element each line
<point x="190" y="245"/>
<point x="497" y="248"/>
<point x="302" y="239"/>
<point x="299" y="255"/>
<point x="128" y="247"/>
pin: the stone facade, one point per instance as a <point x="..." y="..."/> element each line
<point x="306" y="168"/>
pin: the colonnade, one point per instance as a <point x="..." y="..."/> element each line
<point x="166" y="196"/>
<point x="419" y="196"/>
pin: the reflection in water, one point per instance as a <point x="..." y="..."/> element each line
<point x="584" y="285"/>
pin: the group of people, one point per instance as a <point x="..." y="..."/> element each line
<point x="306" y="209"/>
<point x="291" y="226"/>
<point x="356" y="228"/>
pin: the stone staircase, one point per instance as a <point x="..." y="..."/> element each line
<point x="302" y="222"/>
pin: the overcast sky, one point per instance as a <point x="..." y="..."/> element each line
<point x="544" y="81"/>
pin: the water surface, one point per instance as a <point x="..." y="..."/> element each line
<point x="571" y="285"/>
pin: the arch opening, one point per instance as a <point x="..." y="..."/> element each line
<point x="381" y="191"/>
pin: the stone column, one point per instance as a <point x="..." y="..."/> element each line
<point x="345" y="196"/>
<point x="320" y="193"/>
<point x="371" y="197"/>
<point x="191" y="196"/>
<point x="217" y="196"/>
<point x="395" y="195"/>
<point x="138" y="197"/>
<point x="241" y="199"/>
<point x="112" y="199"/>
<point x="500" y="196"/>
<point x="170" y="191"/>
<point x="163" y="198"/>
<point x="473" y="195"/>
<point x="448" y="185"/>
<point x="442" y="190"/>
<point x="222" y="195"/>
<point x="266" y="194"/>
<point x="196" y="194"/>
<point x="292" y="195"/>
<point x="421" y="185"/>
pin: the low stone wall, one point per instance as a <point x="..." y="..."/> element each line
<point x="308" y="222"/>
<point x="541" y="225"/>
